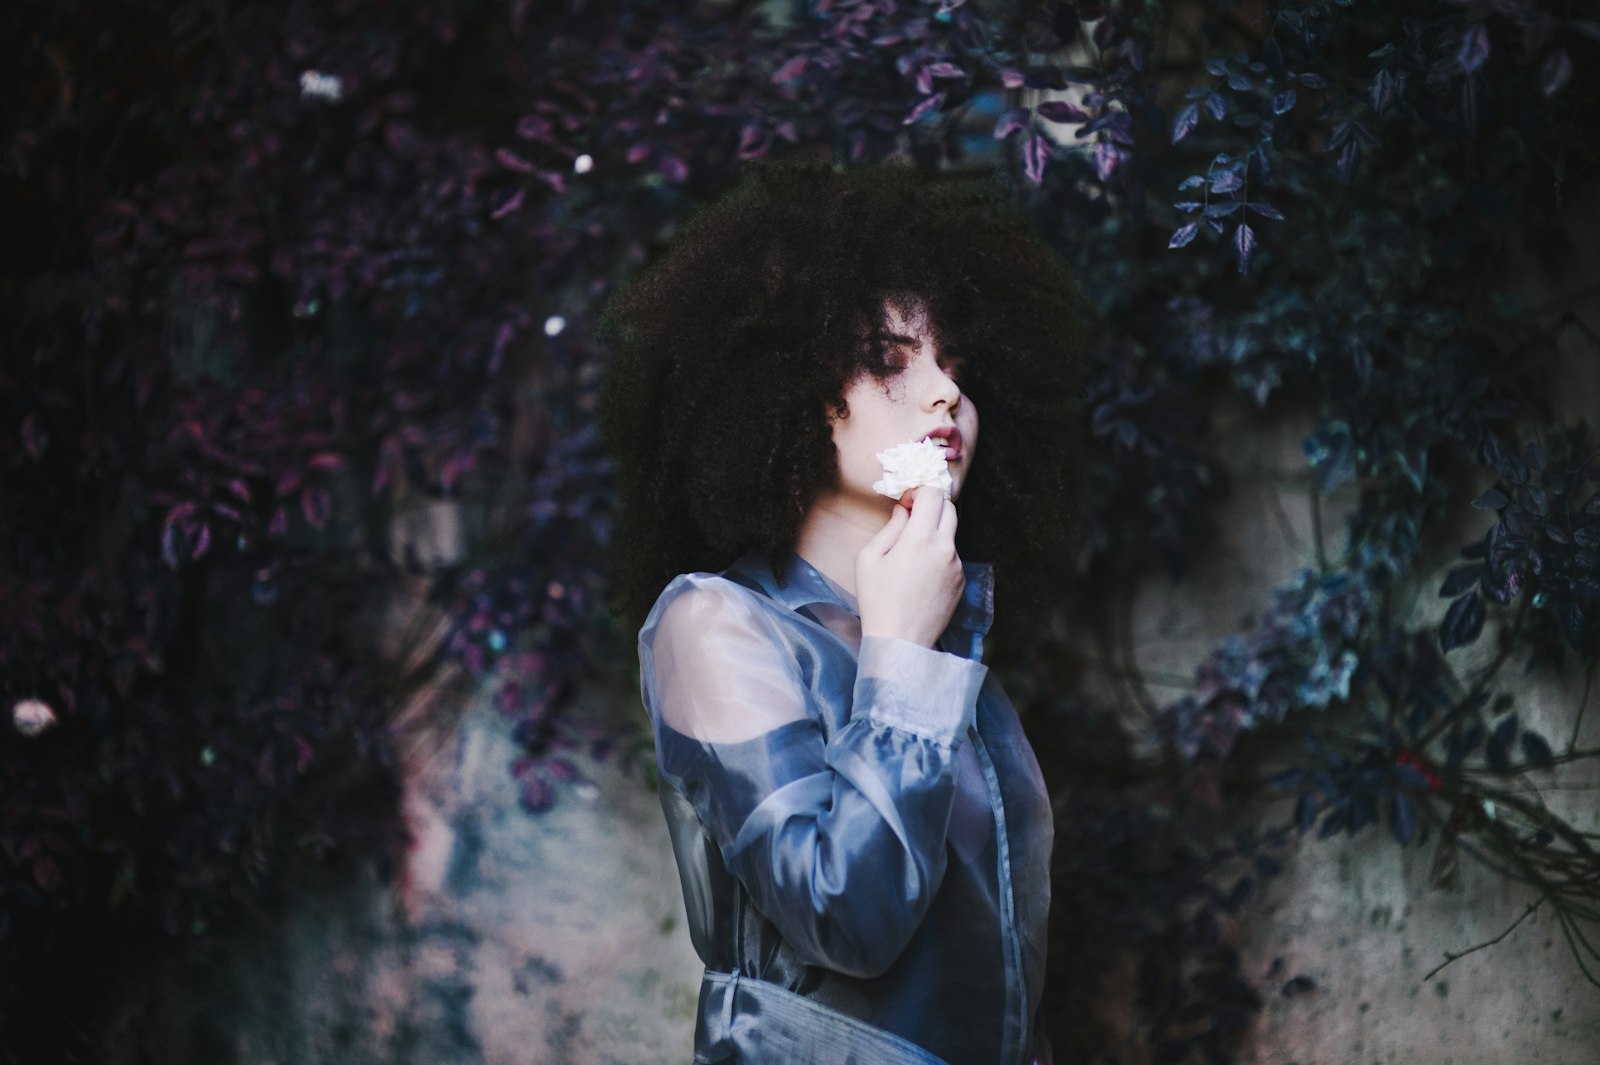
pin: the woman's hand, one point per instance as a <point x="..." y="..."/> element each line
<point x="908" y="576"/>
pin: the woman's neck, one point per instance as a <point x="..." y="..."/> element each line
<point x="835" y="530"/>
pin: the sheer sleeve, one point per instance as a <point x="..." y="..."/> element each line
<point x="840" y="841"/>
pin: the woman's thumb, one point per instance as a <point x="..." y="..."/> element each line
<point x="886" y="537"/>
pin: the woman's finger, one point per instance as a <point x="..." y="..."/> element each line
<point x="886" y="537"/>
<point x="925" y="510"/>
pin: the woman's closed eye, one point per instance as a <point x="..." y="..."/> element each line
<point x="954" y="366"/>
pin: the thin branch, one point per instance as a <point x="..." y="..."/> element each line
<point x="1449" y="958"/>
<point x="1558" y="302"/>
<point x="1286" y="526"/>
<point x="1133" y="675"/>
<point x="1316" y="528"/>
<point x="1588" y="679"/>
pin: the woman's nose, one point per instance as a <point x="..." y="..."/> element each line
<point x="940" y="389"/>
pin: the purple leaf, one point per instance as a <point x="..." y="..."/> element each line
<point x="1462" y="622"/>
<point x="1244" y="242"/>
<point x="326" y="460"/>
<point x="1012" y="79"/>
<point x="1265" y="210"/>
<point x="536" y="795"/>
<point x="316" y="503"/>
<point x="1106" y="158"/>
<point x="1227" y="181"/>
<point x="1460" y="579"/>
<point x="510" y="204"/>
<point x="202" y="542"/>
<point x="288" y="481"/>
<point x="34" y="438"/>
<point x="563" y="769"/>
<point x="1061" y="111"/>
<point x="512" y="161"/>
<point x="1185" y="123"/>
<point x="792" y="69"/>
<point x="1283" y="101"/>
<point x="1382" y="91"/>
<point x="1491" y="500"/>
<point x="1035" y="156"/>
<point x="945" y="70"/>
<point x="1011" y="121"/>
<point x="1474" y="50"/>
<point x="1555" y="71"/>
<point x="928" y="104"/>
<point x="674" y="169"/>
<point x="169" y="545"/>
<point x="1217" y="106"/>
<point x="1183" y="235"/>
<point x="533" y="128"/>
<point x="1347" y="162"/>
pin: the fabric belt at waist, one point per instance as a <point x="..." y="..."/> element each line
<point x="763" y="1023"/>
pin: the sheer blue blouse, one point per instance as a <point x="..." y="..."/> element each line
<point x="860" y="826"/>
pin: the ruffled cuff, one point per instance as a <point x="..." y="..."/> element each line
<point x="929" y="693"/>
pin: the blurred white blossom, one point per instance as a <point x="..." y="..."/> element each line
<point x="31" y="717"/>
<point x="553" y="325"/>
<point x="320" y="86"/>
<point x="583" y="164"/>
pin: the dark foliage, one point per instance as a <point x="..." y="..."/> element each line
<point x="275" y="275"/>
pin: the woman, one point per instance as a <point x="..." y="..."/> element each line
<point x="860" y="826"/>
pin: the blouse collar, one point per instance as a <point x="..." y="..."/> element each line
<point x="804" y="585"/>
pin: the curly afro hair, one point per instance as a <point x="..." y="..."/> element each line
<point x="733" y="349"/>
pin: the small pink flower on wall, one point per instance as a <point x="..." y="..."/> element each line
<point x="31" y="717"/>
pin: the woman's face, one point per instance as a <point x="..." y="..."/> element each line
<point x="924" y="398"/>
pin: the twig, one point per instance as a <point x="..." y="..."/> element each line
<point x="1588" y="679"/>
<point x="1128" y="653"/>
<point x="1448" y="957"/>
<point x="1561" y="301"/>
<point x="1316" y="528"/>
<point x="1286" y="527"/>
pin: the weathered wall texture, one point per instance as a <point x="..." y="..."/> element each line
<point x="509" y="939"/>
<point x="1357" y="916"/>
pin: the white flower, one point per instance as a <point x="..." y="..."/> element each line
<point x="32" y="717"/>
<point x="583" y="164"/>
<point x="913" y="465"/>
<point x="320" y="86"/>
<point x="553" y="325"/>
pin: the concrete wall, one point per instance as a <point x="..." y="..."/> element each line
<point x="508" y="939"/>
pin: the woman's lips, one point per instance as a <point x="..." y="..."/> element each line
<point x="950" y="438"/>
